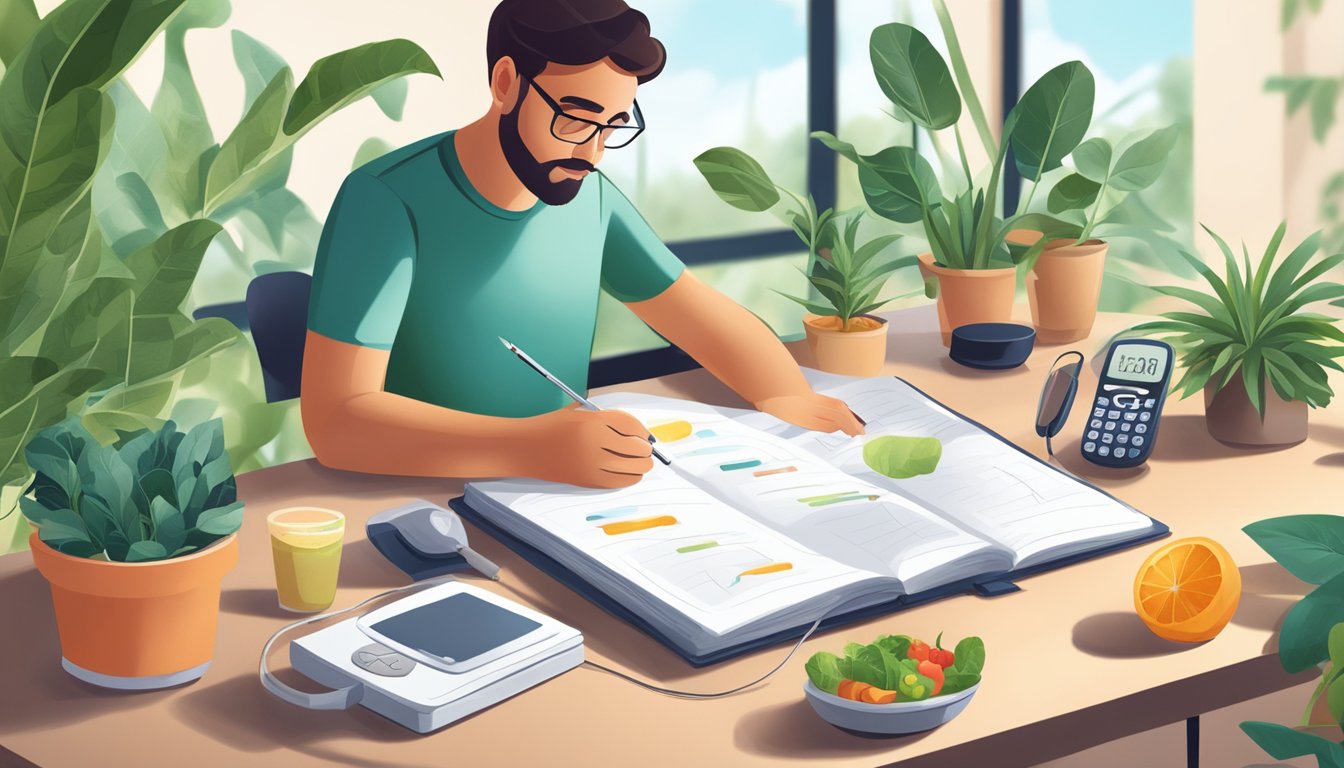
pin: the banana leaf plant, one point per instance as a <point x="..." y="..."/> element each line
<point x="86" y="327"/>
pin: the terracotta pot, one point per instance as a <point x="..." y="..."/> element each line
<point x="968" y="296"/>
<point x="1232" y="419"/>
<point x="1064" y="288"/>
<point x="849" y="353"/>
<point x="136" y="625"/>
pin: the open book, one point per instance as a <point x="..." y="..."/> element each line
<point x="759" y="526"/>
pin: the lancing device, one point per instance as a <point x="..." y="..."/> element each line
<point x="585" y="402"/>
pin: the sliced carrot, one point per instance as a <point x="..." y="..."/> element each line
<point x="843" y="690"/>
<point x="876" y="695"/>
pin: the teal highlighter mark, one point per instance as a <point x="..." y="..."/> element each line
<point x="740" y="465"/>
<point x="697" y="547"/>
<point x="712" y="449"/>
<point x="610" y="513"/>
<point x="835" y="498"/>
<point x="706" y="433"/>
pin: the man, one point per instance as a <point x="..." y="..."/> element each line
<point x="504" y="228"/>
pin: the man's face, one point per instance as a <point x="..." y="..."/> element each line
<point x="550" y="167"/>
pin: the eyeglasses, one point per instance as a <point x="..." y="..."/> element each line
<point x="577" y="130"/>
<point x="1057" y="397"/>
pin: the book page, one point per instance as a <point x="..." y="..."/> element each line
<point x="981" y="482"/>
<point x="670" y="539"/>
<point x="808" y="499"/>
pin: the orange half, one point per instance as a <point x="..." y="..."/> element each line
<point x="1187" y="590"/>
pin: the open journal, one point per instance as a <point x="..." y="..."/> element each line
<point x="760" y="526"/>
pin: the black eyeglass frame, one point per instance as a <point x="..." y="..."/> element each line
<point x="558" y="111"/>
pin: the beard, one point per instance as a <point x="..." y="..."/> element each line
<point x="535" y="175"/>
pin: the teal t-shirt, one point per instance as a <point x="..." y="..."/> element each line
<point x="414" y="260"/>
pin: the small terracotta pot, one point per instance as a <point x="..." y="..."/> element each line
<point x="1064" y="289"/>
<point x="968" y="296"/>
<point x="1232" y="419"/>
<point x="136" y="625"/>
<point x="849" y="353"/>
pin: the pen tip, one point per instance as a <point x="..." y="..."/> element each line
<point x="505" y="342"/>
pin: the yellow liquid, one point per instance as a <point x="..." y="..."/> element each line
<point x="305" y="577"/>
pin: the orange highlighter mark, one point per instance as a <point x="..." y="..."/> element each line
<point x="630" y="526"/>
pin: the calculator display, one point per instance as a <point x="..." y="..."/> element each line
<point x="1138" y="362"/>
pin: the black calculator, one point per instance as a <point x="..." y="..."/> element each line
<point x="1122" y="427"/>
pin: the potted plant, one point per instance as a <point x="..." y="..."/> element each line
<point x="134" y="538"/>
<point x="842" y="335"/>
<point x="1064" y="280"/>
<point x="1260" y="360"/>
<point x="969" y="265"/>
<point x="1310" y="547"/>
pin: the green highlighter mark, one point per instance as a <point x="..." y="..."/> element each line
<point x="902" y="457"/>
<point x="740" y="465"/>
<point x="697" y="547"/>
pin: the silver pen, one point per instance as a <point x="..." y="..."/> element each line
<point x="585" y="402"/>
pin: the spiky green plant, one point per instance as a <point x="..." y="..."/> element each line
<point x="1253" y="325"/>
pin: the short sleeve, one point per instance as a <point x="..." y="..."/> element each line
<point x="636" y="265"/>
<point x="365" y="261"/>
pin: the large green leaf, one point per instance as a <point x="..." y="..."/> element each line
<point x="1053" y="116"/>
<point x="899" y="184"/>
<point x="124" y="200"/>
<point x="1141" y="164"/>
<point x="333" y="83"/>
<point x="1303" y="639"/>
<point x="1092" y="158"/>
<point x="18" y="22"/>
<point x="37" y="395"/>
<point x="1311" y="547"/>
<point x="165" y="270"/>
<point x="1071" y="193"/>
<point x="737" y="179"/>
<point x="258" y="64"/>
<point x="1282" y="743"/>
<point x="914" y="76"/>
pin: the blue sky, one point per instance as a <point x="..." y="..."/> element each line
<point x="723" y="36"/>
<point x="1123" y="37"/>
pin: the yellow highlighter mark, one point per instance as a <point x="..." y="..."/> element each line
<point x="630" y="526"/>
<point x="671" y="431"/>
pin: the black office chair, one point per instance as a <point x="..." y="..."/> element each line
<point x="277" y="311"/>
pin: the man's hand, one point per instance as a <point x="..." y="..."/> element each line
<point x="813" y="411"/>
<point x="596" y="449"/>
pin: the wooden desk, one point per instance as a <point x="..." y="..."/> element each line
<point x="1069" y="664"/>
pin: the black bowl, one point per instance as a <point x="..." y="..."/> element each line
<point x="992" y="346"/>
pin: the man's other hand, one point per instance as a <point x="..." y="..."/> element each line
<point x="813" y="411"/>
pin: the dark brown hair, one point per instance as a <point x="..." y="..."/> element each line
<point x="536" y="32"/>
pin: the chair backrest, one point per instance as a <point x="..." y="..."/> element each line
<point x="277" y="311"/>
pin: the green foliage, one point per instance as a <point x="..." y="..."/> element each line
<point x="1310" y="547"/>
<point x="884" y="663"/>
<point x="846" y="273"/>
<point x="1253" y="328"/>
<point x="151" y="495"/>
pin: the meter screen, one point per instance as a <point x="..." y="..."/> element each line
<point x="459" y="627"/>
<point x="1138" y="362"/>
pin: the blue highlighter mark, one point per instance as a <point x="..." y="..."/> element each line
<point x="706" y="433"/>
<point x="610" y="513"/>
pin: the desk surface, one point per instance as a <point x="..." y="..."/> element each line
<point x="1069" y="665"/>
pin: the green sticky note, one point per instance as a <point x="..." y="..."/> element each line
<point x="902" y="457"/>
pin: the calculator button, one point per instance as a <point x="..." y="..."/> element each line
<point x="1092" y="435"/>
<point x="1104" y="451"/>
<point x="1138" y="440"/>
<point x="1096" y="424"/>
<point x="1124" y="426"/>
<point x="1089" y="447"/>
<point x="1150" y="403"/>
<point x="1134" y="453"/>
<point x="1141" y="429"/>
<point x="1122" y="439"/>
<point x="1108" y="438"/>
<point x="1131" y="416"/>
<point x="1145" y="416"/>
<point x="1103" y="401"/>
<point x="1113" y="415"/>
<point x="1110" y="425"/>
<point x="1099" y="412"/>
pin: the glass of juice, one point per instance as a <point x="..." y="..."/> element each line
<point x="306" y="544"/>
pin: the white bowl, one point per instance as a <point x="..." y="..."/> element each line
<point x="895" y="718"/>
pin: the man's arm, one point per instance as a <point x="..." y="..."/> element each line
<point x="352" y="423"/>
<point x="742" y="352"/>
